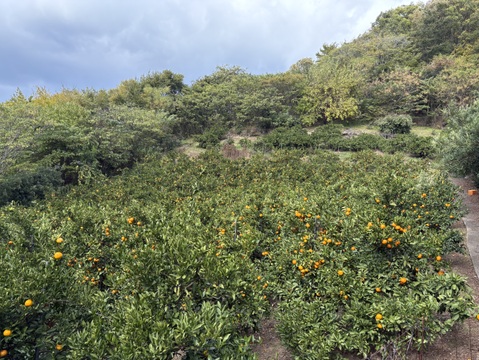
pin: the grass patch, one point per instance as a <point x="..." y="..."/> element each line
<point x="425" y="131"/>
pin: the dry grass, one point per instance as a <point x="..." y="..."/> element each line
<point x="231" y="152"/>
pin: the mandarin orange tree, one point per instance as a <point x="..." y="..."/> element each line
<point x="181" y="258"/>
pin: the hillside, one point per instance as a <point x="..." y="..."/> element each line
<point x="406" y="64"/>
<point x="316" y="199"/>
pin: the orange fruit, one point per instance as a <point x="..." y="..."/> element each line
<point x="402" y="280"/>
<point x="28" y="303"/>
<point x="59" y="240"/>
<point x="58" y="255"/>
<point x="294" y="262"/>
<point x="3" y="353"/>
<point x="379" y="317"/>
<point x="59" y="347"/>
<point x="438" y="258"/>
<point x="419" y="256"/>
<point x="340" y="272"/>
<point x="7" y="332"/>
<point x="378" y="289"/>
<point x="380" y="326"/>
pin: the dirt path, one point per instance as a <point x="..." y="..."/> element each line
<point x="270" y="347"/>
<point x="462" y="343"/>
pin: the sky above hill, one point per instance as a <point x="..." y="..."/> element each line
<point x="96" y="44"/>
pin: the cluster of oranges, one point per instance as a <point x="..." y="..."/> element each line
<point x="389" y="243"/>
<point x="379" y="318"/>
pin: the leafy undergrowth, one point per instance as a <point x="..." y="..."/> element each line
<point x="181" y="258"/>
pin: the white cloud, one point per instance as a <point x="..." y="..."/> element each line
<point x="97" y="44"/>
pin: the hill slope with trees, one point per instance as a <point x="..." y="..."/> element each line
<point x="416" y="60"/>
<point x="116" y="246"/>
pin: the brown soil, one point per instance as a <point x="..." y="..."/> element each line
<point x="462" y="343"/>
<point x="270" y="347"/>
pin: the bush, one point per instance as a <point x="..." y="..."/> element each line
<point x="211" y="137"/>
<point x="414" y="145"/>
<point x="26" y="186"/>
<point x="246" y="143"/>
<point x="458" y="143"/>
<point x="326" y="135"/>
<point x="395" y="124"/>
<point x="285" y="138"/>
<point x="365" y="142"/>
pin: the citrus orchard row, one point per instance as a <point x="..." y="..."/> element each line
<point x="185" y="257"/>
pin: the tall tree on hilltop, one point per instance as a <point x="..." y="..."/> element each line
<point x="332" y="93"/>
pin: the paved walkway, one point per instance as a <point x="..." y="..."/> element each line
<point x="464" y="342"/>
<point x="471" y="220"/>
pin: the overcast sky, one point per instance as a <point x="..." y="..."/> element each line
<point x="98" y="43"/>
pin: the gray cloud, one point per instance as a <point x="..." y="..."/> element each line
<point x="97" y="44"/>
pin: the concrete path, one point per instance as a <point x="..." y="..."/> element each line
<point x="471" y="219"/>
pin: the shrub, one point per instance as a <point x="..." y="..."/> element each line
<point x="414" y="145"/>
<point x="285" y="138"/>
<point x="326" y="135"/>
<point x="211" y="137"/>
<point x="25" y="186"/>
<point x="246" y="143"/>
<point x="395" y="124"/>
<point x="365" y="142"/>
<point x="458" y="143"/>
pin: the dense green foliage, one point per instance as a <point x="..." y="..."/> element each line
<point x="460" y="141"/>
<point x="331" y="137"/>
<point x="181" y="256"/>
<point x="43" y="146"/>
<point x="395" y="124"/>
<point x="127" y="249"/>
